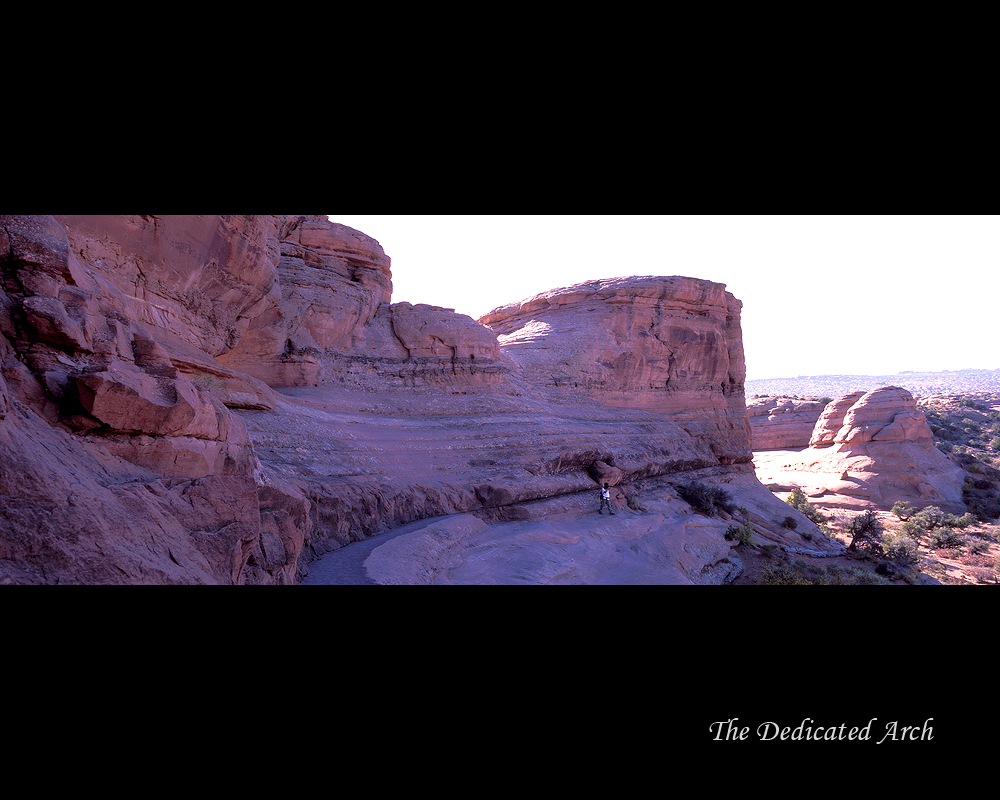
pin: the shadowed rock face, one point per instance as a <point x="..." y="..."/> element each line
<point x="222" y="399"/>
<point x="201" y="277"/>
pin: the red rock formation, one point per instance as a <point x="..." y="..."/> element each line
<point x="201" y="277"/>
<point x="332" y="314"/>
<point x="832" y="420"/>
<point x="142" y="441"/>
<point x="872" y="449"/>
<point x="671" y="345"/>
<point x="114" y="465"/>
<point x="782" y="423"/>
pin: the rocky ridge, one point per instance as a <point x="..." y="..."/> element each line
<point x="227" y="399"/>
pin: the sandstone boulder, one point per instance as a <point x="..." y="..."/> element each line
<point x="168" y="425"/>
<point x="431" y="331"/>
<point x="605" y="474"/>
<point x="871" y="449"/>
<point x="832" y="420"/>
<point x="73" y="513"/>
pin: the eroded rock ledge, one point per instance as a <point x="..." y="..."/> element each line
<point x="223" y="399"/>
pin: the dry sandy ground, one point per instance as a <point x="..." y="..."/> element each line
<point x="938" y="566"/>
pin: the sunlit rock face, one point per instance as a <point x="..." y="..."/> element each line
<point x="672" y="345"/>
<point x="873" y="449"/>
<point x="782" y="423"/>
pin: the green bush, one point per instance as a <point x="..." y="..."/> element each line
<point x="790" y="523"/>
<point x="933" y="518"/>
<point x="945" y="538"/>
<point x="901" y="550"/>
<point x="775" y="575"/>
<point x="904" y="510"/>
<point x="855" y="576"/>
<point x="797" y="500"/>
<point x="970" y="402"/>
<point x="800" y="574"/>
<point x="979" y="546"/>
<point x="740" y="533"/>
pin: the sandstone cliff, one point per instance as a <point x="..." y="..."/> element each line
<point x="670" y="345"/>
<point x="198" y="399"/>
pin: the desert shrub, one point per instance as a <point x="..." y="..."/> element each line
<point x="797" y="500"/>
<point x="971" y="402"/>
<point x="782" y="575"/>
<point x="866" y="534"/>
<point x="740" y="533"/>
<point x="801" y="574"/>
<point x="904" y="510"/>
<point x="983" y="508"/>
<point x="984" y="574"/>
<point x="790" y="523"/>
<point x="707" y="500"/>
<point x="933" y="519"/>
<point x="855" y="576"/>
<point x="979" y="546"/>
<point x="945" y="538"/>
<point x="901" y="549"/>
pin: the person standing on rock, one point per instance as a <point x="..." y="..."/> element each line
<point x="605" y="500"/>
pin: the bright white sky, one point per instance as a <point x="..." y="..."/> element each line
<point x="822" y="294"/>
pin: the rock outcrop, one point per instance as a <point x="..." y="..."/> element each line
<point x="225" y="399"/>
<point x="868" y="450"/>
<point x="782" y="423"/>
<point x="671" y="345"/>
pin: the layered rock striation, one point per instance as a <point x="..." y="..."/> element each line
<point x="782" y="423"/>
<point x="671" y="345"/>
<point x="225" y="399"/>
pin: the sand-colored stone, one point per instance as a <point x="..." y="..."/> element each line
<point x="871" y="449"/>
<point x="782" y="423"/>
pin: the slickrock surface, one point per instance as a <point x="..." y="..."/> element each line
<point x="228" y="399"/>
<point x="870" y="449"/>
<point x="782" y="423"/>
